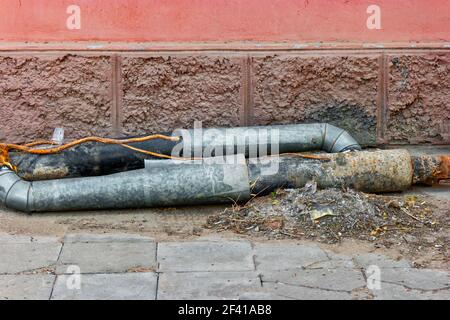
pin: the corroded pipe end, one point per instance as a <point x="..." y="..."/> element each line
<point x="443" y="172"/>
<point x="430" y="169"/>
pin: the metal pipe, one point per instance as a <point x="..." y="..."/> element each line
<point x="368" y="171"/>
<point x="161" y="183"/>
<point x="170" y="183"/>
<point x="95" y="159"/>
<point x="89" y="159"/>
<point x="267" y="140"/>
<point x="376" y="171"/>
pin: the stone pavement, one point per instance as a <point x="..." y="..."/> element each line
<point x="119" y="266"/>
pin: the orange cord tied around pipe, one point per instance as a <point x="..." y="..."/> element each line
<point x="29" y="147"/>
<point x="4" y="159"/>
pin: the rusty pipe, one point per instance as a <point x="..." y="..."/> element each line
<point x="430" y="169"/>
<point x="369" y="171"/>
<point x="166" y="183"/>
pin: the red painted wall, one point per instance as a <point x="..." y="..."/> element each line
<point x="225" y="20"/>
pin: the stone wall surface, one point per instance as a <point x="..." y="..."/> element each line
<point x="379" y="96"/>
<point x="341" y="90"/>
<point x="419" y="98"/>
<point x="39" y="93"/>
<point x="166" y="92"/>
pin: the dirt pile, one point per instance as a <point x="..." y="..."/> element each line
<point x="332" y="214"/>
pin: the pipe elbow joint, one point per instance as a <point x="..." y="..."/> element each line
<point x="338" y="140"/>
<point x="14" y="192"/>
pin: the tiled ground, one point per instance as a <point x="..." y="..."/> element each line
<point x="118" y="266"/>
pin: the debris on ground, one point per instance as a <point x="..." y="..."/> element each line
<point x="330" y="215"/>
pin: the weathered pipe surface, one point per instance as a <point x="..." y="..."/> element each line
<point x="369" y="171"/>
<point x="430" y="169"/>
<point x="94" y="159"/>
<point x="263" y="140"/>
<point x="89" y="159"/>
<point x="161" y="183"/>
<point x="171" y="183"/>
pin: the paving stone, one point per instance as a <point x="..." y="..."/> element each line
<point x="108" y="257"/>
<point x="12" y="238"/>
<point x="270" y="256"/>
<point x="367" y="259"/>
<point x="285" y="291"/>
<point x="263" y="295"/>
<point x="335" y="261"/>
<point x="26" y="287"/>
<point x="341" y="279"/>
<point x="338" y="256"/>
<point x="124" y="286"/>
<point x="397" y="292"/>
<point x="26" y="257"/>
<point x="206" y="285"/>
<point x="332" y="264"/>
<point x="205" y="256"/>
<point x="422" y="279"/>
<point x="102" y="238"/>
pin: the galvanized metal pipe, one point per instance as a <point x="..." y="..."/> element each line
<point x="99" y="159"/>
<point x="170" y="183"/>
<point x="161" y="183"/>
<point x="267" y="140"/>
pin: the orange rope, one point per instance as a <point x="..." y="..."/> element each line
<point x="28" y="147"/>
<point x="4" y="159"/>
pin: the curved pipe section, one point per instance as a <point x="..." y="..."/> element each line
<point x="161" y="183"/>
<point x="14" y="192"/>
<point x="338" y="140"/>
<point x="96" y="159"/>
<point x="266" y="140"/>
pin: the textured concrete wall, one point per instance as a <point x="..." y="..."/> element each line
<point x="341" y="90"/>
<point x="165" y="92"/>
<point x="419" y="98"/>
<point x="39" y="93"/>
<point x="380" y="96"/>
